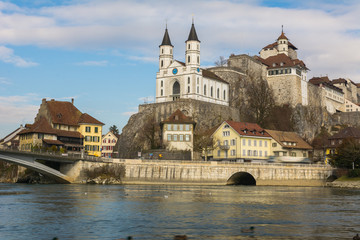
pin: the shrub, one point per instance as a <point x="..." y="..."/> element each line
<point x="354" y="173"/>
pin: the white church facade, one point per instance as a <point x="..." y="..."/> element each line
<point x="178" y="80"/>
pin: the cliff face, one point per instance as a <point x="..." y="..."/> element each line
<point x="134" y="135"/>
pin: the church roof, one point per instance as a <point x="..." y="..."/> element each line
<point x="281" y="61"/>
<point x="166" y="39"/>
<point x="192" y="35"/>
<point x="209" y="74"/>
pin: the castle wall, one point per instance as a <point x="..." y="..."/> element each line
<point x="287" y="89"/>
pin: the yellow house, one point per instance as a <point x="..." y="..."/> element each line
<point x="91" y="129"/>
<point x="241" y="141"/>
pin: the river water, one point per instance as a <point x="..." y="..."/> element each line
<point x="162" y="211"/>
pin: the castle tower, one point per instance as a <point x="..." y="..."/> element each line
<point x="166" y="51"/>
<point x="192" y="45"/>
<point x="283" y="43"/>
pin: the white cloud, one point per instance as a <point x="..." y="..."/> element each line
<point x="7" y="55"/>
<point x="4" y="81"/>
<point x="93" y="63"/>
<point x="148" y="99"/>
<point x="327" y="34"/>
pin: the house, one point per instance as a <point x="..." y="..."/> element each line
<point x="66" y="127"/>
<point x="178" y="132"/>
<point x="240" y="141"/>
<point x="108" y="143"/>
<point x="11" y="141"/>
<point x="338" y="138"/>
<point x="289" y="145"/>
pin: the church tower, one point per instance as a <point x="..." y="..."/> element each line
<point x="283" y="43"/>
<point x="166" y="51"/>
<point x="192" y="53"/>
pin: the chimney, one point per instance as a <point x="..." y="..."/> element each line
<point x="72" y="101"/>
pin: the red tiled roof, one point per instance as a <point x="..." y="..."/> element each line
<point x="349" y="132"/>
<point x="40" y="126"/>
<point x="281" y="137"/>
<point x="275" y="44"/>
<point x="63" y="112"/>
<point x="281" y="61"/>
<point x="53" y="142"/>
<point x="282" y="36"/>
<point x="324" y="81"/>
<point x="248" y="129"/>
<point x="64" y="133"/>
<point x="178" y="117"/>
<point x="339" y="80"/>
<point x="86" y="118"/>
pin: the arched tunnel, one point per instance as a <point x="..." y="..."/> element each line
<point x="241" y="178"/>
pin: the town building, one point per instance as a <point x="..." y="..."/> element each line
<point x="108" y="143"/>
<point x="66" y="127"/>
<point x="187" y="80"/>
<point x="178" y="132"/>
<point x="240" y="141"/>
<point x="348" y="87"/>
<point x="289" y="146"/>
<point x="11" y="141"/>
<point x="331" y="97"/>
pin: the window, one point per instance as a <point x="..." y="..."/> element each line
<point x="244" y="152"/>
<point x="175" y="127"/>
<point x="169" y="127"/>
<point x="169" y="137"/>
<point x="233" y="152"/>
<point x="188" y="46"/>
<point x="188" y="80"/>
<point x="255" y="153"/>
<point x="260" y="153"/>
<point x="224" y="95"/>
<point x="175" y="137"/>
<point x="249" y="153"/>
<point x="260" y="143"/>
<point x="293" y="154"/>
<point x="113" y="141"/>
<point x="211" y="91"/>
<point x="197" y="89"/>
<point x="162" y="63"/>
<point x="255" y="143"/>
<point x="244" y="142"/>
<point x="265" y="143"/>
<point x="233" y="142"/>
<point x="249" y="142"/>
<point x="181" y="137"/>
<point x="87" y="129"/>
<point x="226" y="142"/>
<point x="161" y="92"/>
<point x="187" y="127"/>
<point x="188" y="89"/>
<point x="265" y="153"/>
<point x="205" y="90"/>
<point x="218" y="93"/>
<point x="226" y="133"/>
<point x="188" y="59"/>
<point x="161" y="83"/>
<point x="187" y="138"/>
<point x="274" y="144"/>
<point x="198" y="59"/>
<point x="218" y="153"/>
<point x="181" y="127"/>
<point x="96" y="129"/>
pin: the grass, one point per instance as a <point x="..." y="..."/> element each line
<point x="346" y="178"/>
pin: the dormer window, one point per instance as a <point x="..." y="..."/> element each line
<point x="226" y="126"/>
<point x="274" y="64"/>
<point x="281" y="64"/>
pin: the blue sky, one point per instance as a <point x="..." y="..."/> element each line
<point x="104" y="53"/>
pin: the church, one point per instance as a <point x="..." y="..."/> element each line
<point x="187" y="80"/>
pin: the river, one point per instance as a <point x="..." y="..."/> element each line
<point x="43" y="212"/>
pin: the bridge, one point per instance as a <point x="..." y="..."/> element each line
<point x="67" y="169"/>
<point x="33" y="161"/>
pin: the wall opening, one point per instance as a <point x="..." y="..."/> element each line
<point x="241" y="178"/>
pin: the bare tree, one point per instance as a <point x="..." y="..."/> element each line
<point x="203" y="142"/>
<point x="221" y="62"/>
<point x="150" y="131"/>
<point x="258" y="100"/>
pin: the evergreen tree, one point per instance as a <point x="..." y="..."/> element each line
<point x="114" y="130"/>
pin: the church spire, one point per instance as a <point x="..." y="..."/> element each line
<point x="166" y="39"/>
<point x="192" y="34"/>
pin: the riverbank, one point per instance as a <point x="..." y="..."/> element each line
<point x="345" y="183"/>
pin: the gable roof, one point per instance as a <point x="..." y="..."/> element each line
<point x="281" y="137"/>
<point x="11" y="135"/>
<point x="247" y="129"/>
<point x="63" y="112"/>
<point x="349" y="132"/>
<point x="86" y="118"/>
<point x="209" y="74"/>
<point x="178" y="117"/>
<point x="281" y="61"/>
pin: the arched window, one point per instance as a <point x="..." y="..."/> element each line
<point x="188" y="80"/>
<point x="162" y="50"/>
<point x="188" y="59"/>
<point x="176" y="89"/>
<point x="224" y="95"/>
<point x="161" y="83"/>
<point x="198" y="59"/>
<point x="161" y="92"/>
<point x="188" y="46"/>
<point x="211" y="91"/>
<point x="162" y="63"/>
<point x="218" y="93"/>
<point x="188" y="89"/>
<point x="205" y="89"/>
<point x="170" y="51"/>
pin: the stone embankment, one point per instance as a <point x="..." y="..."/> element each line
<point x="344" y="184"/>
